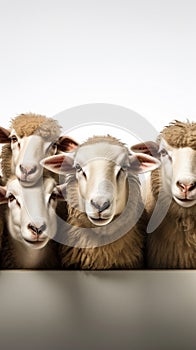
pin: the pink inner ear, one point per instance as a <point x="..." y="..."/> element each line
<point x="59" y="164"/>
<point x="144" y="160"/>
<point x="54" y="160"/>
<point x="71" y="147"/>
<point x="66" y="144"/>
<point x="140" y="163"/>
<point x="148" y="147"/>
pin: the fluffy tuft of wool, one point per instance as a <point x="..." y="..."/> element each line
<point x="29" y="124"/>
<point x="107" y="138"/>
<point x="179" y="134"/>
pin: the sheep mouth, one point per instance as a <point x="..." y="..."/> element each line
<point x="26" y="181"/>
<point x="100" y="221"/>
<point x="185" y="202"/>
<point x="185" y="199"/>
<point x="36" y="244"/>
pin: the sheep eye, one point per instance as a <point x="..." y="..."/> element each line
<point x="78" y="167"/>
<point x="52" y="147"/>
<point x="84" y="174"/>
<point x="11" y="197"/>
<point x="53" y="196"/>
<point x="163" y="152"/>
<point x="13" y="138"/>
<point x="119" y="173"/>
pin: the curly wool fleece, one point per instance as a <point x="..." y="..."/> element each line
<point x="179" y="134"/>
<point x="35" y="124"/>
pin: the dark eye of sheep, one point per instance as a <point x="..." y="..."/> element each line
<point x="52" y="147"/>
<point x="119" y="173"/>
<point x="163" y="152"/>
<point x="11" y="197"/>
<point x="79" y="169"/>
<point x="53" y="196"/>
<point x="13" y="138"/>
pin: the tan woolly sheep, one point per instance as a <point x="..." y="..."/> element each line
<point x="105" y="227"/>
<point x="172" y="240"/>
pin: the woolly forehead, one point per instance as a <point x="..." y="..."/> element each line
<point x="103" y="150"/>
<point x="30" y="124"/>
<point x="179" y="134"/>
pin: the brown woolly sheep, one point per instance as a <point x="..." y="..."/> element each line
<point x="106" y="226"/>
<point x="172" y="198"/>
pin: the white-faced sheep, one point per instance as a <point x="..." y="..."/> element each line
<point x="173" y="195"/>
<point x="104" y="204"/>
<point x="31" y="137"/>
<point x="30" y="225"/>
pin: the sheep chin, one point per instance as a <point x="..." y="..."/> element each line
<point x="185" y="203"/>
<point x="100" y="221"/>
<point x="35" y="244"/>
<point x="27" y="183"/>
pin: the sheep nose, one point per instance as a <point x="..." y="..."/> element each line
<point x="100" y="207"/>
<point x="37" y="230"/>
<point x="186" y="187"/>
<point x="28" y="170"/>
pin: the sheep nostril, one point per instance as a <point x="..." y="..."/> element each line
<point x="186" y="188"/>
<point x="192" y="186"/>
<point x="37" y="230"/>
<point x="32" y="170"/>
<point x="99" y="207"/>
<point x="23" y="170"/>
<point x="27" y="170"/>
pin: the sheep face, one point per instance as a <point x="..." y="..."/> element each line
<point x="179" y="173"/>
<point x="33" y="138"/>
<point x="102" y="184"/>
<point x="26" y="155"/>
<point x="31" y="212"/>
<point x="178" y="169"/>
<point x="101" y="171"/>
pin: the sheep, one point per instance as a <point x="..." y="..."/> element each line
<point x="104" y="204"/>
<point x="31" y="137"/>
<point x="30" y="225"/>
<point x="172" y="198"/>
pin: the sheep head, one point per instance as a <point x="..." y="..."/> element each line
<point x="31" y="138"/>
<point x="176" y="149"/>
<point x="31" y="211"/>
<point x="101" y="171"/>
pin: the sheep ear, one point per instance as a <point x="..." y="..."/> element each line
<point x="4" y="135"/>
<point x="140" y="163"/>
<point x="3" y="198"/>
<point x="59" y="164"/>
<point x="149" y="147"/>
<point x="66" y="144"/>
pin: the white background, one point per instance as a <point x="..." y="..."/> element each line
<point x="56" y="54"/>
